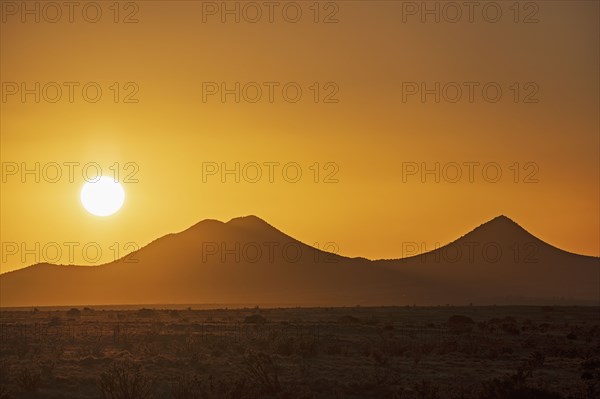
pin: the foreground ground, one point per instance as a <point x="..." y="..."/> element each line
<point x="401" y="352"/>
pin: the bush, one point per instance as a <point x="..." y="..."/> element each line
<point x="28" y="380"/>
<point x="284" y="346"/>
<point x="591" y="363"/>
<point x="510" y="328"/>
<point x="147" y="313"/>
<point x="74" y="312"/>
<point x="262" y="371"/>
<point x="4" y="371"/>
<point x="348" y="320"/>
<point x="255" y="319"/>
<point x="188" y="387"/>
<point x="4" y="392"/>
<point x="426" y="390"/>
<point x="508" y="389"/>
<point x="458" y="319"/>
<point x="459" y="324"/>
<point x="125" y="380"/>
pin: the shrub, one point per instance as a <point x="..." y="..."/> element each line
<point x="591" y="363"/>
<point x="188" y="387"/>
<point x="510" y="328"/>
<point x="459" y="324"/>
<point x="92" y="347"/>
<point x="262" y="371"/>
<point x="4" y="371"/>
<point x="284" y="346"/>
<point x="125" y="380"/>
<point x="28" y="379"/>
<point x="147" y="313"/>
<point x="458" y="319"/>
<point x="426" y="390"/>
<point x="4" y="392"/>
<point x="255" y="319"/>
<point x="348" y="320"/>
<point x="535" y="361"/>
<point x="509" y="389"/>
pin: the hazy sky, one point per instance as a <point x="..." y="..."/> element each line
<point x="367" y="121"/>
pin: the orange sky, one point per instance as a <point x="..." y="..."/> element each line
<point x="365" y="137"/>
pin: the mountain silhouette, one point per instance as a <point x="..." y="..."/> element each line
<point x="501" y="262"/>
<point x="247" y="261"/>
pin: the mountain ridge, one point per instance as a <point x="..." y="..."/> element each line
<point x="257" y="222"/>
<point x="247" y="260"/>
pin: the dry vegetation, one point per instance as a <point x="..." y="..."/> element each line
<point x="403" y="352"/>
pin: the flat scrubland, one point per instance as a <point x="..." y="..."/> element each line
<point x="384" y="352"/>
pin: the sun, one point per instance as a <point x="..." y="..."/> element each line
<point x="102" y="197"/>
